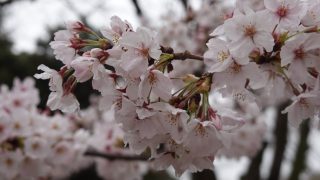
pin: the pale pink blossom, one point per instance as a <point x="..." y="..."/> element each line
<point x="58" y="98"/>
<point x="248" y="32"/>
<point x="64" y="46"/>
<point x="218" y="57"/>
<point x="118" y="29"/>
<point x="286" y="13"/>
<point x="141" y="45"/>
<point x="157" y="83"/>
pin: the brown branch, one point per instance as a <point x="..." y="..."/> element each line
<point x="187" y="55"/>
<point x="113" y="157"/>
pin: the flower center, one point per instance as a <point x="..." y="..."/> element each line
<point x="222" y="56"/>
<point x="249" y="30"/>
<point x="9" y="162"/>
<point x="303" y="102"/>
<point x="35" y="146"/>
<point x="152" y="78"/>
<point x="234" y="68"/>
<point x="282" y="11"/>
<point x="299" y="53"/>
<point x="200" y="130"/>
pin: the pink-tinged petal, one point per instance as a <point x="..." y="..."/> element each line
<point x="298" y="71"/>
<point x="265" y="40"/>
<point x="287" y="56"/>
<point x="130" y="40"/>
<point x="293" y="114"/>
<point x="162" y="86"/>
<point x="144" y="88"/>
<point x="272" y="4"/>
<point x="242" y="47"/>
<point x="312" y="41"/>
<point x="218" y="31"/>
<point x="62" y="35"/>
<point x="82" y="67"/>
<point x="312" y="16"/>
<point x="135" y="67"/>
<point x="232" y="29"/>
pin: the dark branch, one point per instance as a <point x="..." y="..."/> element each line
<point x="253" y="172"/>
<point x="6" y="2"/>
<point x="280" y="131"/>
<point x="113" y="157"/>
<point x="204" y="175"/>
<point x="299" y="164"/>
<point x="137" y="7"/>
<point x="185" y="4"/>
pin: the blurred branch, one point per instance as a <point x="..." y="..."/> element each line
<point x="300" y="162"/>
<point x="204" y="175"/>
<point x="157" y="175"/>
<point x="113" y="157"/>
<point x="6" y="2"/>
<point x="253" y="172"/>
<point x="185" y="4"/>
<point x="137" y="7"/>
<point x="280" y="132"/>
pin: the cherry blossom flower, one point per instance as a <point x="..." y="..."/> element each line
<point x="65" y="44"/>
<point x="9" y="163"/>
<point x="157" y="83"/>
<point x="286" y="13"/>
<point x="118" y="29"/>
<point x="312" y="17"/>
<point x="248" y="32"/>
<point x="304" y="106"/>
<point x="89" y="66"/>
<point x="36" y="147"/>
<point x="140" y="45"/>
<point x="58" y="98"/>
<point x="298" y="53"/>
<point x="218" y="57"/>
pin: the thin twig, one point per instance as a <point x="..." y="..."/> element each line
<point x="113" y="157"/>
<point x="187" y="55"/>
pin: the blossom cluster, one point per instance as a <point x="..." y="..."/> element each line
<point x="32" y="143"/>
<point x="35" y="144"/>
<point x="273" y="51"/>
<point x="107" y="138"/>
<point x="261" y="55"/>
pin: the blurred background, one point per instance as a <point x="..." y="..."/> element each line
<point x="27" y="27"/>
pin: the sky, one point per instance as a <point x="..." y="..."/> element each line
<point x="26" y="21"/>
